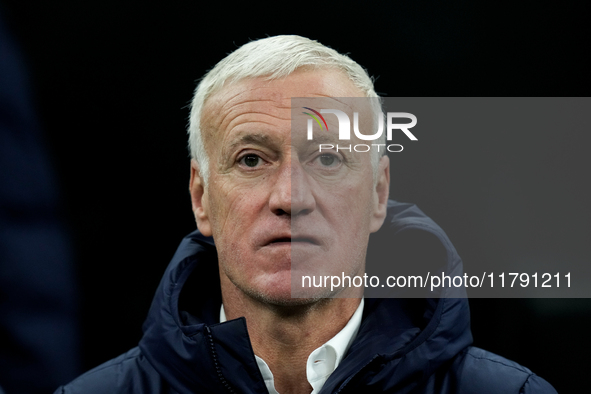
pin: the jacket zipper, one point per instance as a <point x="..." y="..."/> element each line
<point x="216" y="364"/>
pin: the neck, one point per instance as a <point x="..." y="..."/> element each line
<point x="285" y="335"/>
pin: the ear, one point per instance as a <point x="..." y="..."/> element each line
<point x="199" y="200"/>
<point x="381" y="192"/>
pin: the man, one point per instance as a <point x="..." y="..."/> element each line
<point x="277" y="207"/>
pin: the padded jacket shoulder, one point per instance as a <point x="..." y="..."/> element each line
<point x="483" y="372"/>
<point x="128" y="373"/>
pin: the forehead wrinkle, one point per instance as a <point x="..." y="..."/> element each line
<point x="325" y="138"/>
<point x="254" y="117"/>
<point x="255" y="93"/>
<point x="242" y="123"/>
<point x="223" y="101"/>
<point x="231" y="111"/>
<point x="236" y="112"/>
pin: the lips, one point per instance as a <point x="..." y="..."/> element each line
<point x="286" y="239"/>
<point x="310" y="240"/>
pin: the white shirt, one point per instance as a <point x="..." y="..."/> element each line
<point x="321" y="362"/>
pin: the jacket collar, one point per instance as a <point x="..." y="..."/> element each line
<point x="405" y="339"/>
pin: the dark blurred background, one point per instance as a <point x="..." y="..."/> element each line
<point x="111" y="81"/>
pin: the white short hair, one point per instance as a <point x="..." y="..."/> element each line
<point x="272" y="57"/>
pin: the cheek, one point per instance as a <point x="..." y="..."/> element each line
<point x="233" y="211"/>
<point x="352" y="202"/>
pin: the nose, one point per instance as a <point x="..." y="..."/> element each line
<point x="291" y="194"/>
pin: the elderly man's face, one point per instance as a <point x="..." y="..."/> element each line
<point x="272" y="198"/>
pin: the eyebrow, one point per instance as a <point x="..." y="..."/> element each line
<point x="324" y="138"/>
<point x="257" y="139"/>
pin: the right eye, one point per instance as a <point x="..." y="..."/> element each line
<point x="250" y="160"/>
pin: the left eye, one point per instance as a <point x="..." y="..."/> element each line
<point x="328" y="160"/>
<point x="250" y="161"/>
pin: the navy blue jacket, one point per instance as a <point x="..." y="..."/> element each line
<point x="404" y="345"/>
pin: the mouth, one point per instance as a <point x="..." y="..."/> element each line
<point x="280" y="240"/>
<point x="307" y="240"/>
<point x="294" y="240"/>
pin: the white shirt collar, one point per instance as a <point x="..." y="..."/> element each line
<point x="323" y="361"/>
